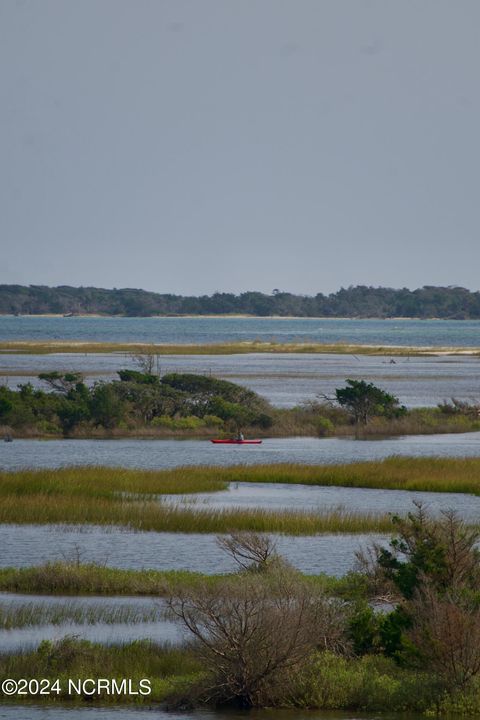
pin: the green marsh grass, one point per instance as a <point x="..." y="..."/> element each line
<point x="151" y="515"/>
<point x="127" y="498"/>
<point x="429" y="474"/>
<point x="168" y="667"/>
<point x="42" y="347"/>
<point x="65" y="578"/>
<point x="103" y="482"/>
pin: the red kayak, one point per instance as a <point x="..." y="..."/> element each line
<point x="236" y="442"/>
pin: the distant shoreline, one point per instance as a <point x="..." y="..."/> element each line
<point x="233" y="316"/>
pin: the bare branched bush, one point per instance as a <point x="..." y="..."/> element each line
<point x="147" y="362"/>
<point x="249" y="550"/>
<point x="251" y="636"/>
<point x="460" y="407"/>
<point x="446" y="631"/>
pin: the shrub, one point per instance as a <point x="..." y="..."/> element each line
<point x="374" y="683"/>
<point x="186" y="423"/>
<point x="250" y="636"/>
<point x="213" y="421"/>
<point x="325" y="427"/>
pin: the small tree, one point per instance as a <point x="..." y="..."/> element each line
<point x="432" y="572"/>
<point x="62" y="382"/>
<point x="147" y="361"/>
<point x="363" y="400"/>
<point x="446" y="632"/>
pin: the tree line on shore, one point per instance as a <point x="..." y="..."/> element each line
<point x="360" y="301"/>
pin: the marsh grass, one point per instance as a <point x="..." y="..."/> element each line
<point x="67" y="578"/>
<point x="153" y="516"/>
<point x="103" y="482"/>
<point x="46" y="346"/>
<point x="127" y="498"/>
<point x="63" y="578"/>
<point x="167" y="666"/>
<point x="32" y="614"/>
<point x="428" y="474"/>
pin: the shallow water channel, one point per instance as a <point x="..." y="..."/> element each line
<point x="158" y="454"/>
<point x="282" y="496"/>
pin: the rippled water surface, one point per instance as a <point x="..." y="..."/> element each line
<point x="158" y="628"/>
<point x="278" y="496"/>
<point x="43" y="712"/>
<point x="154" y="454"/>
<point x="107" y="634"/>
<point x="24" y="545"/>
<point x="58" y="712"/>
<point x="210" y="330"/>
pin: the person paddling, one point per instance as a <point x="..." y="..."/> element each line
<point x="240" y="437"/>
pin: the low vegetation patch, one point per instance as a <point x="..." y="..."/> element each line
<point x="428" y="474"/>
<point x="77" y="578"/>
<point x="169" y="669"/>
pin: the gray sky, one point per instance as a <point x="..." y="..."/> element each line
<point x="199" y="145"/>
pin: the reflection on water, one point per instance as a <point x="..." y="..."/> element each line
<point x="156" y="454"/>
<point x="107" y="634"/>
<point x="53" y="617"/>
<point x="58" y="712"/>
<point x="24" y="545"/>
<point x="278" y="496"/>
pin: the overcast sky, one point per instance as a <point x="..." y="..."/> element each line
<point x="191" y="146"/>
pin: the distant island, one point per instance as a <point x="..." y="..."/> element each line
<point x="354" y="302"/>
